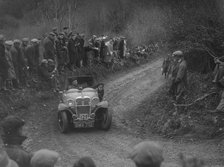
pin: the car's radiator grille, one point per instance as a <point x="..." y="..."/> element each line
<point x="83" y="101"/>
<point x="83" y="106"/>
<point x="83" y="110"/>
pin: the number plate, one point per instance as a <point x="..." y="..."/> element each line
<point x="84" y="116"/>
<point x="84" y="125"/>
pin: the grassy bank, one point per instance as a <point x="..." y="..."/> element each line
<point x="160" y="116"/>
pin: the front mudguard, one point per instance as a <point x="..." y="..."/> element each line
<point x="62" y="107"/>
<point x="103" y="104"/>
<point x="101" y="107"/>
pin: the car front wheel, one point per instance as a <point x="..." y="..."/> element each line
<point x="63" y="122"/>
<point x="106" y="120"/>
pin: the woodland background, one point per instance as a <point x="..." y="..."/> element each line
<point x="178" y="23"/>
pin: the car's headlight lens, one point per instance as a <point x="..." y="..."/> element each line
<point x="70" y="103"/>
<point x="95" y="101"/>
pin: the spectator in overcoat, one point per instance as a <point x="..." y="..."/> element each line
<point x="11" y="71"/>
<point x="3" y="64"/>
<point x="18" y="61"/>
<point x="49" y="47"/>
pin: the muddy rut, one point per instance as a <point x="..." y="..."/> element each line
<point x="124" y="92"/>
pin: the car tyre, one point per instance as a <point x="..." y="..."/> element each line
<point x="63" y="122"/>
<point x="106" y="122"/>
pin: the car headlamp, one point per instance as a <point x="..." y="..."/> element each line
<point x="70" y="103"/>
<point x="95" y="101"/>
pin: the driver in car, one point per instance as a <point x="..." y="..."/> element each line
<point x="74" y="85"/>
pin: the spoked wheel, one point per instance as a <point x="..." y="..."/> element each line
<point x="106" y="121"/>
<point x="63" y="122"/>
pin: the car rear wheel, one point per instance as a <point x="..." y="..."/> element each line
<point x="106" y="121"/>
<point x="63" y="122"/>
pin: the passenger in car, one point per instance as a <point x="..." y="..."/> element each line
<point x="100" y="91"/>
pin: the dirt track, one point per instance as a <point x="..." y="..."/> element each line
<point x="111" y="148"/>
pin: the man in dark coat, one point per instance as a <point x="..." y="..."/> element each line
<point x="94" y="44"/>
<point x="55" y="31"/>
<point x="48" y="74"/>
<point x="67" y="33"/>
<point x="121" y="48"/>
<point x="23" y="47"/>
<point x="100" y="91"/>
<point x="102" y="52"/>
<point x="33" y="56"/>
<point x="3" y="64"/>
<point x="49" y="47"/>
<point x="115" y="44"/>
<point x="18" y="61"/>
<point x="62" y="52"/>
<point x="82" y="53"/>
<point x="73" y="49"/>
<point x="11" y="70"/>
<point x="179" y="75"/>
<point x="13" y="138"/>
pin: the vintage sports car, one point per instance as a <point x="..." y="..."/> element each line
<point x="80" y="107"/>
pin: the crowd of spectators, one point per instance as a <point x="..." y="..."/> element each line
<point x="23" y="61"/>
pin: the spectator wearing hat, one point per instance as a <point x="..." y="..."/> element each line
<point x="147" y="154"/>
<point x="24" y="45"/>
<point x="11" y="71"/>
<point x="67" y="33"/>
<point x="83" y="50"/>
<point x="100" y="91"/>
<point x="44" y="158"/>
<point x="115" y="43"/>
<point x="74" y="85"/>
<point x="179" y="76"/>
<point x="49" y="47"/>
<point x="16" y="56"/>
<point x="5" y="161"/>
<point x="43" y="70"/>
<point x="94" y="44"/>
<point x="33" y="56"/>
<point x="122" y="48"/>
<point x="80" y="50"/>
<point x="25" y="42"/>
<point x="92" y="41"/>
<point x="19" y="62"/>
<point x="62" y="52"/>
<point x="174" y="71"/>
<point x="47" y="74"/>
<point x="3" y="64"/>
<point x="55" y="31"/>
<point x="73" y="45"/>
<point x="13" y="138"/>
<point x="84" y="162"/>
